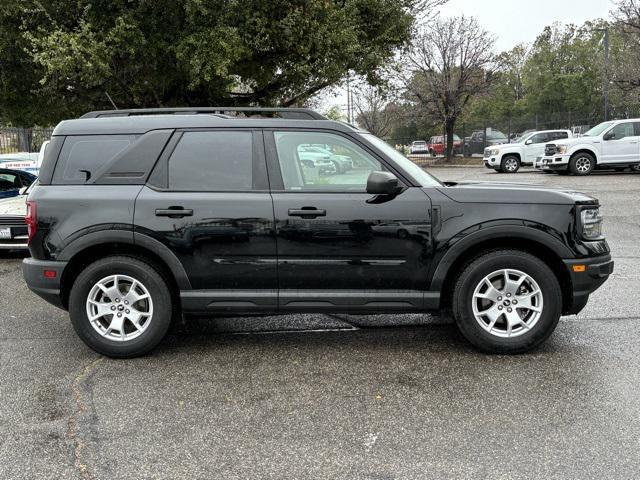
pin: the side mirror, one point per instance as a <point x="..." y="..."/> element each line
<point x="528" y="142"/>
<point x="382" y="183"/>
<point x="23" y="190"/>
<point x="609" y="136"/>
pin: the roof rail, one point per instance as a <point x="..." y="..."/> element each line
<point x="289" y="113"/>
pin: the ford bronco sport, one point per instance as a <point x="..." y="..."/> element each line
<point x="142" y="215"/>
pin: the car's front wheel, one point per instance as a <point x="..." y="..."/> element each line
<point x="506" y="301"/>
<point x="120" y="306"/>
<point x="510" y="164"/>
<point x="582" y="163"/>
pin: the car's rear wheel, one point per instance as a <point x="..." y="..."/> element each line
<point x="120" y="306"/>
<point x="510" y="164"/>
<point x="506" y="301"/>
<point x="582" y="163"/>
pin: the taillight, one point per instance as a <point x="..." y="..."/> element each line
<point x="31" y="220"/>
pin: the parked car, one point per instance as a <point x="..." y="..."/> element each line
<point x="419" y="146"/>
<point x="609" y="145"/>
<point x="525" y="150"/>
<point x="11" y="181"/>
<point x="438" y="145"/>
<point x="27" y="162"/>
<point x="476" y="142"/>
<point x="342" y="163"/>
<point x="314" y="159"/>
<point x="13" y="228"/>
<point x="110" y="222"/>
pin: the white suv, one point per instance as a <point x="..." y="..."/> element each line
<point x="614" y="144"/>
<point x="508" y="157"/>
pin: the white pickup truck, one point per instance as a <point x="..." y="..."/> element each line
<point x="508" y="157"/>
<point x="610" y="145"/>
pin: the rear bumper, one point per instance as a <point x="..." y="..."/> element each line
<point x="586" y="281"/>
<point x="46" y="287"/>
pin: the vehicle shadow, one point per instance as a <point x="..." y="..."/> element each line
<point x="17" y="254"/>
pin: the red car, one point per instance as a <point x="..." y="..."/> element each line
<point x="437" y="145"/>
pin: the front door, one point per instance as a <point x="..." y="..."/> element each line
<point x="211" y="206"/>
<point x="620" y="144"/>
<point x="340" y="248"/>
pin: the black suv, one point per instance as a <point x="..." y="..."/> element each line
<point x="142" y="215"/>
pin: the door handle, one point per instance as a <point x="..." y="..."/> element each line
<point x="307" y="212"/>
<point x="174" y="212"/>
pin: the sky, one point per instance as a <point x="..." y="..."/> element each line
<point x="516" y="21"/>
<point x="512" y="21"/>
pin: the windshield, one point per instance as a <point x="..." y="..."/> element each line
<point x="496" y="135"/>
<point x="423" y="178"/>
<point x="597" y="130"/>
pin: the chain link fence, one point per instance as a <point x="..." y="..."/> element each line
<point x="472" y="136"/>
<point x="14" y="140"/>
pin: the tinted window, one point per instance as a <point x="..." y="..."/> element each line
<point x="539" y="138"/>
<point x="621" y="130"/>
<point x="9" y="181"/>
<point x="304" y="170"/>
<point x="212" y="161"/>
<point x="557" y="135"/>
<point x="82" y="157"/>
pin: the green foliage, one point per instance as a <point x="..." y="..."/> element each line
<point x="59" y="57"/>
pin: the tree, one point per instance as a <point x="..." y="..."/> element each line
<point x="374" y="111"/>
<point x="62" y="57"/>
<point x="562" y="72"/>
<point x="449" y="63"/>
<point x="626" y="58"/>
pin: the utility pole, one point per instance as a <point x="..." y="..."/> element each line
<point x="605" y="71"/>
<point x="348" y="100"/>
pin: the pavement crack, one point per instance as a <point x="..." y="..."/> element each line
<point x="79" y="445"/>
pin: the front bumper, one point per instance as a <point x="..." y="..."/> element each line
<point x="47" y="287"/>
<point x="554" y="162"/>
<point x="587" y="275"/>
<point x="492" y="162"/>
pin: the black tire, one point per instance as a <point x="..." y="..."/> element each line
<point x="338" y="166"/>
<point x="143" y="272"/>
<point x="471" y="276"/>
<point x="432" y="153"/>
<point x="510" y="164"/>
<point x="582" y="163"/>
<point x="402" y="233"/>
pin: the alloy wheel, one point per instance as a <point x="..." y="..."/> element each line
<point x="583" y="164"/>
<point x="511" y="164"/>
<point x="119" y="308"/>
<point x="507" y="303"/>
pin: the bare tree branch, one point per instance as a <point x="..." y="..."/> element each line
<point x="451" y="61"/>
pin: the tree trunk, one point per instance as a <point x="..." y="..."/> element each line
<point x="449" y="126"/>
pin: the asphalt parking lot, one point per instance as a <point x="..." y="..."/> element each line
<point x="336" y="397"/>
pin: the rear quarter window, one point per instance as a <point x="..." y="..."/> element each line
<point x="82" y="157"/>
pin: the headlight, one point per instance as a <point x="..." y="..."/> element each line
<point x="494" y="151"/>
<point x="561" y="149"/>
<point x="591" y="223"/>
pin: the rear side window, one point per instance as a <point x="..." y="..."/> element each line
<point x="82" y="157"/>
<point x="9" y="181"/>
<point x="212" y="161"/>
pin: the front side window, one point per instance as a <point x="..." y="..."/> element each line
<point x="319" y="161"/>
<point x="622" y="130"/>
<point x="212" y="161"/>
<point x="540" y="138"/>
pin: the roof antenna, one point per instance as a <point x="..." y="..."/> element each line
<point x="112" y="102"/>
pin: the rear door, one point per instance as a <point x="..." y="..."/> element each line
<point x="208" y="201"/>
<point x="339" y="247"/>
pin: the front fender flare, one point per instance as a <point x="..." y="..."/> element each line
<point x="490" y="233"/>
